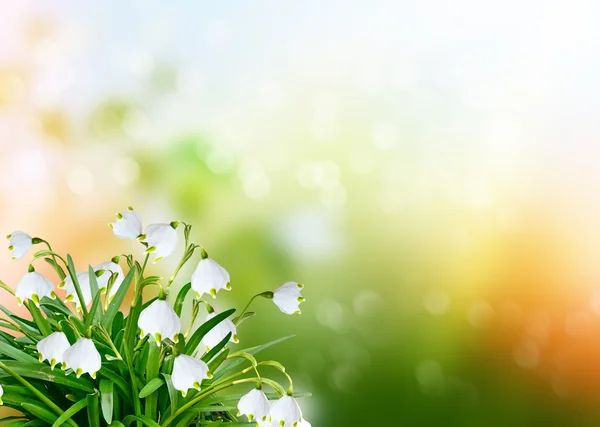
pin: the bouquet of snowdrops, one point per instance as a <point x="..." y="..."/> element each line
<point x="98" y="365"/>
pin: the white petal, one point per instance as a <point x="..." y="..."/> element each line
<point x="188" y="372"/>
<point x="255" y="405"/>
<point x="209" y="276"/>
<point x="53" y="347"/>
<point x="303" y="423"/>
<point x="216" y="334"/>
<point x="160" y="318"/>
<point x="288" y="298"/>
<point x="162" y="237"/>
<point x="129" y="226"/>
<point x="110" y="267"/>
<point x="287" y="410"/>
<point x="21" y="243"/>
<point x="34" y="284"/>
<point x="83" y="355"/>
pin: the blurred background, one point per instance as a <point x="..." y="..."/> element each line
<point x="428" y="169"/>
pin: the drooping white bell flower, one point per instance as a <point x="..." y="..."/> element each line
<point x="1" y="394"/>
<point x="34" y="286"/>
<point x="161" y="239"/>
<point x="82" y="357"/>
<point x="160" y="321"/>
<point x="20" y="243"/>
<point x="254" y="405"/>
<point x="52" y="348"/>
<point x="303" y="423"/>
<point x="216" y="334"/>
<point x="128" y="224"/>
<point x="285" y="412"/>
<point x="209" y="277"/>
<point x="108" y="268"/>
<point x="287" y="297"/>
<point x="84" y="284"/>
<point x="188" y="372"/>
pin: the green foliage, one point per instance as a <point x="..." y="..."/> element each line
<point x="134" y="385"/>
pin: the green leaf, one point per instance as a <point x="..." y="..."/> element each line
<point x="107" y="399"/>
<point x="92" y="410"/>
<point x="68" y="414"/>
<point x="178" y="305"/>
<point x="151" y="387"/>
<point x="73" y="274"/>
<point x="216" y="349"/>
<point x="94" y="314"/>
<point x="115" y="304"/>
<point x="56" y="305"/>
<point x="117" y="424"/>
<point x="204" y="329"/>
<point x="42" y="372"/>
<point x="217" y="361"/>
<point x="39" y="320"/>
<point x="40" y="412"/>
<point x="16" y="354"/>
<point x="152" y="370"/>
<point x="131" y="418"/>
<point x="173" y="394"/>
<point x="119" y="381"/>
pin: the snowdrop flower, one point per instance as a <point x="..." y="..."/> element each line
<point x="82" y="357"/>
<point x="34" y="286"/>
<point x="84" y="284"/>
<point x="209" y="277"/>
<point x="254" y="405"/>
<point x="128" y="224"/>
<point x="161" y="239"/>
<point x="1" y="394"/>
<point x="303" y="423"/>
<point x="52" y="348"/>
<point x="285" y="412"/>
<point x="108" y="268"/>
<point x="287" y="297"/>
<point x="188" y="372"/>
<point x="216" y="334"/>
<point x="20" y="243"/>
<point x="160" y="321"/>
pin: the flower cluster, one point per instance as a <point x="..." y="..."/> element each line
<point x="141" y="358"/>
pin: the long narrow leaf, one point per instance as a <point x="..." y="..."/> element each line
<point x="68" y="414"/>
<point x="40" y="412"/>
<point x="115" y="304"/>
<point x="132" y="418"/>
<point x="151" y="387"/>
<point x="73" y="274"/>
<point x="107" y="399"/>
<point x="17" y="354"/>
<point x="204" y="329"/>
<point x="92" y="410"/>
<point x="178" y="305"/>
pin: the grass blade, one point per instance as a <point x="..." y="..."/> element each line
<point x="107" y="399"/>
<point x="73" y="274"/>
<point x="115" y="304"/>
<point x="181" y="298"/>
<point x="204" y="329"/>
<point x="92" y="409"/>
<point x="70" y="412"/>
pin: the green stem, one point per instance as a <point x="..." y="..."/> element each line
<point x="240" y="317"/>
<point x="56" y="409"/>
<point x="152" y="371"/>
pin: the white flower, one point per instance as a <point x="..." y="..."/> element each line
<point x="20" y="243"/>
<point x="161" y="239"/>
<point x="52" y="348"/>
<point x="188" y="372"/>
<point x="216" y="334"/>
<point x="160" y="321"/>
<point x="128" y="224"/>
<point x="209" y="277"/>
<point x="285" y="412"/>
<point x="108" y="268"/>
<point x="82" y="357"/>
<point x="34" y="286"/>
<point x="1" y="394"/>
<point x="303" y="423"/>
<point x="288" y="298"/>
<point x="254" y="405"/>
<point x="84" y="284"/>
